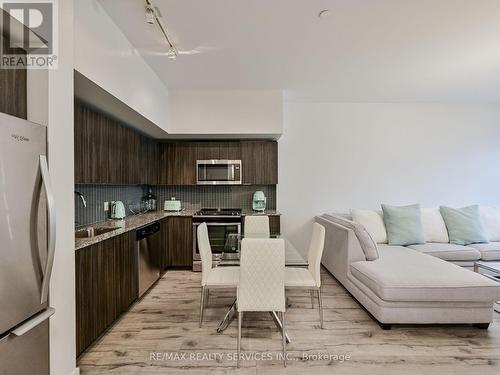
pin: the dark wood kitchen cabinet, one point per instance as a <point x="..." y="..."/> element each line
<point x="164" y="245"/>
<point x="177" y="163"/>
<point x="108" y="152"/>
<point x="259" y="162"/>
<point x="222" y="150"/>
<point x="177" y="160"/>
<point x="91" y="146"/>
<point x="13" y="88"/>
<point x="180" y="241"/>
<point x="106" y="285"/>
<point x="275" y="225"/>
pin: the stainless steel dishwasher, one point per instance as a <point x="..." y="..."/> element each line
<point x="148" y="255"/>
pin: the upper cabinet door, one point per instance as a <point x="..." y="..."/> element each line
<point x="91" y="146"/>
<point x="117" y="165"/>
<point x="107" y="152"/>
<point x="152" y="161"/>
<point x="230" y="150"/>
<point x="207" y="150"/>
<point x="259" y="162"/>
<point x="177" y="163"/>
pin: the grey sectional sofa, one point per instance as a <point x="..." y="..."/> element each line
<point x="421" y="284"/>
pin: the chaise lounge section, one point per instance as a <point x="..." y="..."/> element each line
<point x="408" y="284"/>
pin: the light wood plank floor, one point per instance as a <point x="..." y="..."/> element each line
<point x="166" y="321"/>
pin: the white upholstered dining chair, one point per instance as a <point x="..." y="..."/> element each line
<point x="212" y="278"/>
<point x="262" y="281"/>
<point x="310" y="278"/>
<point x="257" y="226"/>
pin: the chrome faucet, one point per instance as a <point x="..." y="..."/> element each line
<point x="82" y="198"/>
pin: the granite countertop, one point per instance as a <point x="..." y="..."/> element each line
<point x="126" y="225"/>
<point x="136" y="221"/>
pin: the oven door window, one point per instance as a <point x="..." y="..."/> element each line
<point x="221" y="236"/>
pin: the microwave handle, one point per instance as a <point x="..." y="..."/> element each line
<point x="232" y="172"/>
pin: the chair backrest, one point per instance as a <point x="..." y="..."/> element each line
<point x="257" y="226"/>
<point x="205" y="251"/>
<point x="262" y="275"/>
<point x="315" y="253"/>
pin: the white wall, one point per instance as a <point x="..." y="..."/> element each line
<point x="337" y="156"/>
<point x="60" y="152"/>
<point x="212" y="112"/>
<point x="50" y="102"/>
<point x="105" y="56"/>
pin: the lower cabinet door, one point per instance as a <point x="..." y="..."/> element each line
<point x="106" y="285"/>
<point x="180" y="241"/>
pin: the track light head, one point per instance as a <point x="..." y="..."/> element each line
<point x="150" y="15"/>
<point x="172" y="53"/>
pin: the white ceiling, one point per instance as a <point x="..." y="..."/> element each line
<point x="366" y="50"/>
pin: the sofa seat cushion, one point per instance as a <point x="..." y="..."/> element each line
<point x="402" y="274"/>
<point x="489" y="251"/>
<point x="448" y="251"/>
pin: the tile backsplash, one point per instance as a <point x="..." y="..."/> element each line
<point x="192" y="198"/>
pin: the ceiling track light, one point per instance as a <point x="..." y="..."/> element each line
<point x="153" y="15"/>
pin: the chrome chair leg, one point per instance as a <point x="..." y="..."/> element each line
<point x="311" y="293"/>
<point x="320" y="302"/>
<point x="239" y="338"/>
<point x="207" y="300"/>
<point x="283" y="337"/>
<point x="202" y="303"/>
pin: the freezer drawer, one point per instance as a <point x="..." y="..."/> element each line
<point x="27" y="354"/>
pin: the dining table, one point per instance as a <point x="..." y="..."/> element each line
<point x="230" y="257"/>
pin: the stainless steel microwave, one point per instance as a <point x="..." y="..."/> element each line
<point x="218" y="172"/>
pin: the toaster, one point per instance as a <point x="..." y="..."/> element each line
<point x="172" y="205"/>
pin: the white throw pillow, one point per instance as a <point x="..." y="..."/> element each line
<point x="490" y="217"/>
<point x="373" y="222"/>
<point x="434" y="226"/>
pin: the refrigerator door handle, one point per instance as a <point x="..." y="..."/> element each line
<point x="51" y="228"/>
<point x="33" y="322"/>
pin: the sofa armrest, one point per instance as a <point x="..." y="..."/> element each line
<point x="342" y="247"/>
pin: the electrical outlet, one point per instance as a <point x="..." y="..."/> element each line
<point x="106" y="206"/>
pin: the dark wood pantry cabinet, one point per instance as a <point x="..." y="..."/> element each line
<point x="106" y="285"/>
<point x="13" y="89"/>
<point x="108" y="152"/>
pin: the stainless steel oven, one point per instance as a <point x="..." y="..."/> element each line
<point x="220" y="233"/>
<point x="218" y="172"/>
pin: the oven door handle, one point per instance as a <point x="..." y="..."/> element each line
<point x="218" y="224"/>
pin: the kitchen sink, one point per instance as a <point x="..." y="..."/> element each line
<point x="93" y="231"/>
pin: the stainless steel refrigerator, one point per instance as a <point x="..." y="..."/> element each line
<point x="27" y="246"/>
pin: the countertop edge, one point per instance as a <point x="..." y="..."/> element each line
<point x="133" y="222"/>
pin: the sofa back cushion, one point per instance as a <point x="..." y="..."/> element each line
<point x="464" y="225"/>
<point x="403" y="225"/>
<point x="373" y="222"/>
<point x="490" y="217"/>
<point x="434" y="226"/>
<point x="367" y="243"/>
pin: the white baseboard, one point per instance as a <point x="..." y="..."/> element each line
<point x="76" y="371"/>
